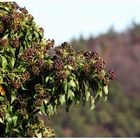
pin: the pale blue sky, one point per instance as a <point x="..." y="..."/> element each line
<point x="67" y="19"/>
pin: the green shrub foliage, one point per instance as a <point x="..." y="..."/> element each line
<point x="33" y="82"/>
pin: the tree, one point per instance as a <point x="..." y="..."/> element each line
<point x="33" y="82"/>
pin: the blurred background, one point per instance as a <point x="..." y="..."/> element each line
<point x="113" y="29"/>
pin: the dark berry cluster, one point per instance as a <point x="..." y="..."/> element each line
<point x="68" y="48"/>
<point x="61" y="75"/>
<point x="16" y="20"/>
<point x="86" y="68"/>
<point x="41" y="94"/>
<point x="58" y="64"/>
<point x="39" y="89"/>
<point x="50" y="44"/>
<point x="2" y="111"/>
<point x="1" y="29"/>
<point x="17" y="83"/>
<point x="112" y="74"/>
<point x="100" y="64"/>
<point x="70" y="60"/>
<point x="42" y="30"/>
<point x="23" y="10"/>
<point x="40" y="62"/>
<point x="29" y="132"/>
<point x="87" y="55"/>
<point x="29" y="54"/>
<point x="5" y="20"/>
<point x="4" y="42"/>
<point x="15" y="42"/>
<point x="35" y="70"/>
<point x="65" y="44"/>
<point x="106" y="81"/>
<point x="95" y="55"/>
<point x="49" y="65"/>
<point x="25" y="76"/>
<point x="23" y="112"/>
<point x="15" y="5"/>
<point x="101" y="75"/>
<point x="59" y="51"/>
<point x="64" y="50"/>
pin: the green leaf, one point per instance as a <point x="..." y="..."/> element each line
<point x="55" y="108"/>
<point x="12" y="62"/>
<point x="13" y="97"/>
<point x="87" y="95"/>
<point x="70" y="67"/>
<point x="21" y="69"/>
<point x="56" y="101"/>
<point x="53" y="90"/>
<point x="14" y="119"/>
<point x="105" y="89"/>
<point x="77" y="85"/>
<point x="42" y="109"/>
<point x="45" y="101"/>
<point x="1" y="121"/>
<point x="8" y="124"/>
<point x="99" y="93"/>
<point x="1" y="50"/>
<point x="1" y="80"/>
<point x="36" y="34"/>
<point x="16" y="130"/>
<point x="105" y="98"/>
<point x="65" y="86"/>
<point x="92" y="103"/>
<point x="62" y="99"/>
<point x="11" y="76"/>
<point x="47" y="79"/>
<point x="6" y="36"/>
<point x="30" y="37"/>
<point x="12" y="51"/>
<point x="3" y="62"/>
<point x="1" y="98"/>
<point x="71" y="84"/>
<point x="77" y="102"/>
<point x="71" y="94"/>
<point x="39" y="135"/>
<point x="23" y="88"/>
<point x="5" y="83"/>
<point x="20" y="34"/>
<point x="50" y="111"/>
<point x="87" y="92"/>
<point x="4" y="8"/>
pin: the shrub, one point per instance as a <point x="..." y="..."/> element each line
<point x="33" y="82"/>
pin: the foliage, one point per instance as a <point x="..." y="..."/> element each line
<point x="33" y="82"/>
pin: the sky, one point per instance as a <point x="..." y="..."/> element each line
<point x="63" y="20"/>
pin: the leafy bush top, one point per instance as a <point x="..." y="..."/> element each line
<point x="32" y="81"/>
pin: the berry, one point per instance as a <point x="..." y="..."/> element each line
<point x="35" y="70"/>
<point x="25" y="76"/>
<point x="15" y="42"/>
<point x="23" y="10"/>
<point x="58" y="64"/>
<point x="112" y="74"/>
<point x="4" y="42"/>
